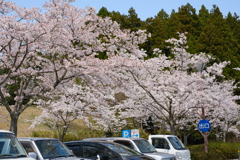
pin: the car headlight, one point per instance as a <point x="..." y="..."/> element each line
<point x="178" y="155"/>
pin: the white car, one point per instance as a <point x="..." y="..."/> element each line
<point x="170" y="144"/>
<point x="10" y="148"/>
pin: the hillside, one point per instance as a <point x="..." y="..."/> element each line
<point x="23" y="124"/>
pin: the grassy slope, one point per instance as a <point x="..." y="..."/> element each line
<point x="23" y="124"/>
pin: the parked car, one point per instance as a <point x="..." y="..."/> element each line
<point x="138" y="144"/>
<point x="10" y="148"/>
<point x="104" y="150"/>
<point x="47" y="148"/>
<point x="170" y="144"/>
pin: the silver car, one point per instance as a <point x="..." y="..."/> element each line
<point x="46" y="148"/>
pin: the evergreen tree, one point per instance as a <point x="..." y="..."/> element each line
<point x="119" y="18"/>
<point x="134" y="23"/>
<point x="217" y="39"/>
<point x="188" y="22"/>
<point x="158" y="27"/>
<point x="103" y="12"/>
<point x="203" y="17"/>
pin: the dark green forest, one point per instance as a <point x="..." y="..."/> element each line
<point x="207" y="31"/>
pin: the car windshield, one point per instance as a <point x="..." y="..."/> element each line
<point x="10" y="147"/>
<point x="144" y="146"/>
<point x="176" y="143"/>
<point x="122" y="150"/>
<point x="53" y="149"/>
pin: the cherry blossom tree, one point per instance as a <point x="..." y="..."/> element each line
<point x="226" y="111"/>
<point x="91" y="98"/>
<point x="17" y="48"/>
<point x="65" y="105"/>
<point x="42" y="50"/>
<point x="171" y="90"/>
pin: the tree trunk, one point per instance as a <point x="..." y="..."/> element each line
<point x="14" y="122"/>
<point x="185" y="136"/>
<point x="172" y="128"/>
<point x="224" y="136"/>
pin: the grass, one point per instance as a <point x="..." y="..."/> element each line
<point x="23" y="124"/>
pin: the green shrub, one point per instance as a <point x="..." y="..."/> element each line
<point x="79" y="135"/>
<point x="216" y="151"/>
<point x="47" y="134"/>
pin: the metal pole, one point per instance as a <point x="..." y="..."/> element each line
<point x="205" y="134"/>
<point x="200" y="67"/>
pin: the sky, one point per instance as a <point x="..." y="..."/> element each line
<point x="145" y="8"/>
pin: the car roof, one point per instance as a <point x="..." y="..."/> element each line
<point x="114" y="138"/>
<point x="93" y="141"/>
<point x="162" y="135"/>
<point x="4" y="131"/>
<point x="35" y="138"/>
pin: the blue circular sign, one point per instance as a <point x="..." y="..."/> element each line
<point x="204" y="125"/>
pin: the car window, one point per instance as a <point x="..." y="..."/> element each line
<point x="28" y="147"/>
<point x="1" y="146"/>
<point x="10" y="148"/>
<point x="92" y="151"/>
<point x="52" y="148"/>
<point x="160" y="143"/>
<point x="144" y="146"/>
<point x="122" y="150"/>
<point x="176" y="143"/>
<point x="75" y="149"/>
<point x="125" y="143"/>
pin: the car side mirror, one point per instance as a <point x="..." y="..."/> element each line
<point x="32" y="155"/>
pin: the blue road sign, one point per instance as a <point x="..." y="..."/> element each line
<point x="126" y="133"/>
<point x="204" y="125"/>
